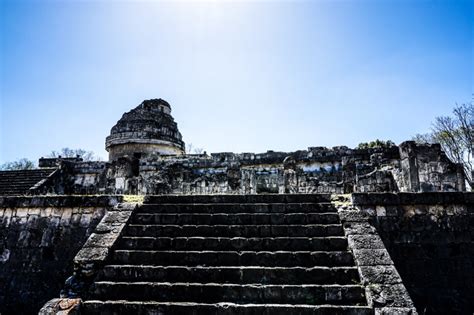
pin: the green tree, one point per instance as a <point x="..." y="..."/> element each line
<point x="456" y="135"/>
<point x="21" y="164"/>
<point x="376" y="144"/>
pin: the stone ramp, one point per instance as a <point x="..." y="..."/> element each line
<point x="19" y="182"/>
<point x="254" y="254"/>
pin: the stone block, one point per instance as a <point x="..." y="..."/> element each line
<point x="85" y="220"/>
<point x="117" y="217"/>
<point x="355" y="228"/>
<point x="34" y="211"/>
<point x="381" y="274"/>
<point x="370" y="199"/>
<point x="391" y="211"/>
<point x="369" y="210"/>
<point x="372" y="257"/>
<point x="371" y="241"/>
<point x="61" y="306"/>
<point x="353" y="216"/>
<point x="106" y="240"/>
<point x="48" y="212"/>
<point x="91" y="255"/>
<point x="395" y="311"/>
<point x="109" y="227"/>
<point x="98" y="213"/>
<point x="436" y="210"/>
<point x="47" y="237"/>
<point x="66" y="216"/>
<point x="394" y="295"/>
<point x="381" y="211"/>
<point x="76" y="219"/>
<point x="408" y="211"/>
<point x="21" y="212"/>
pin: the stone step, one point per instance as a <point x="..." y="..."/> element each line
<point x="235" y="243"/>
<point x="232" y="274"/>
<point x="219" y="292"/>
<point x="18" y="188"/>
<point x="15" y="183"/>
<point x="141" y="308"/>
<point x="14" y="191"/>
<point x="261" y="198"/>
<point x="21" y="181"/>
<point x="237" y="207"/>
<point x="235" y="218"/>
<point x="312" y="230"/>
<point x="234" y="258"/>
<point x="22" y="175"/>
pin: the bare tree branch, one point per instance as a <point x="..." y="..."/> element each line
<point x="72" y="153"/>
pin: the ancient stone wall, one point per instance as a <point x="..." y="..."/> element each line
<point x="39" y="237"/>
<point x="409" y="167"/>
<point x="426" y="168"/>
<point x="430" y="237"/>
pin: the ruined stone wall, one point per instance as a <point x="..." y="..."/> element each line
<point x="227" y="173"/>
<point x="410" y="168"/>
<point x="430" y="237"/>
<point x="39" y="237"/>
<point x="427" y="168"/>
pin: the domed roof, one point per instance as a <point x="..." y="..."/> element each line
<point x="149" y="123"/>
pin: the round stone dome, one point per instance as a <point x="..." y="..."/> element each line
<point x="147" y="129"/>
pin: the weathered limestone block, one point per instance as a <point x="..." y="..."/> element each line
<point x="39" y="237"/>
<point x="358" y="228"/>
<point x="370" y="241"/>
<point x="61" y="306"/>
<point x="379" y="274"/>
<point x="385" y="291"/>
<point x="353" y="216"/>
<point x="395" y="311"/>
<point x="372" y="257"/>
<point x="393" y="295"/>
<point x="96" y="249"/>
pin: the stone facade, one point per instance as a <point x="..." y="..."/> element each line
<point x="430" y="239"/>
<point x="408" y="225"/>
<point x="39" y="237"/>
<point x="146" y="157"/>
<point x="407" y="168"/>
<point x="147" y="129"/>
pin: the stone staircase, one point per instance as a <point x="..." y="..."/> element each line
<point x="19" y="182"/>
<point x="254" y="254"/>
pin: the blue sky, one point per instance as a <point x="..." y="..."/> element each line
<point x="243" y="76"/>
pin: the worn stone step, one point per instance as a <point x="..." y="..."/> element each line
<point x="16" y="191"/>
<point x="261" y="198"/>
<point x="310" y="230"/>
<point x="13" y="184"/>
<point x="235" y="243"/>
<point x="220" y="292"/>
<point x="234" y="258"/>
<point x="235" y="218"/>
<point x="20" y="181"/>
<point x="237" y="207"/>
<point x="232" y="274"/>
<point x="148" y="308"/>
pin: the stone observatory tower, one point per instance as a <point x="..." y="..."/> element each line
<point x="147" y="129"/>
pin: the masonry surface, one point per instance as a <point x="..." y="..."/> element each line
<point x="39" y="238"/>
<point x="317" y="231"/>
